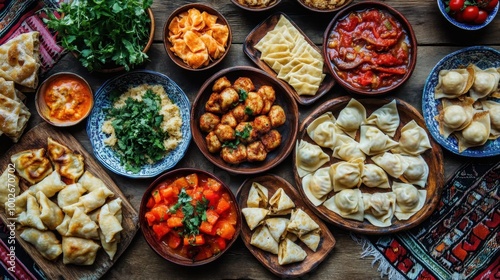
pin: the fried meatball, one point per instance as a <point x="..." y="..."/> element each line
<point x="209" y="121"/>
<point x="245" y="132"/>
<point x="213" y="104"/>
<point x="277" y="116"/>
<point x="229" y="119"/>
<point x="269" y="96"/>
<point x="261" y="124"/>
<point x="244" y="83"/>
<point x="234" y="155"/>
<point x="213" y="143"/>
<point x="220" y="84"/>
<point x="271" y="140"/>
<point x="224" y="132"/>
<point x="254" y="104"/>
<point x="256" y="151"/>
<point x="239" y="113"/>
<point x="228" y="98"/>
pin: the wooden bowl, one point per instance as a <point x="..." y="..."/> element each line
<point x="161" y="247"/>
<point x="330" y="55"/>
<point x="270" y="261"/>
<point x="272" y="4"/>
<point x="310" y="7"/>
<point x="168" y="45"/>
<point x="288" y="130"/>
<point x="48" y="84"/>
<point x="433" y="157"/>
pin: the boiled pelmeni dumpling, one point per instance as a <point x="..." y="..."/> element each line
<point x="413" y="140"/>
<point x="493" y="108"/>
<point x="409" y="200"/>
<point x="393" y="164"/>
<point x="417" y="171"/>
<point x="373" y="141"/>
<point x="453" y="83"/>
<point x="347" y="203"/>
<point x="386" y="118"/>
<point x="309" y="157"/>
<point x="351" y="117"/>
<point x="455" y="115"/>
<point x="375" y="177"/>
<point x="323" y="131"/>
<point x="476" y="133"/>
<point x="485" y="82"/>
<point x="379" y="208"/>
<point x="318" y="185"/>
<point x="347" y="149"/>
<point x="346" y="174"/>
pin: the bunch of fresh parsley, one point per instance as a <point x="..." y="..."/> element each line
<point x="103" y="32"/>
<point x="138" y="131"/>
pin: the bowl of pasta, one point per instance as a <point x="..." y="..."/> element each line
<point x="190" y="47"/>
<point x="244" y="121"/>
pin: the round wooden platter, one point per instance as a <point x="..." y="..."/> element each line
<point x="270" y="261"/>
<point x="433" y="157"/>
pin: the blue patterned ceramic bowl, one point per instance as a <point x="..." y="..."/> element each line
<point x="483" y="57"/>
<point x="463" y="25"/>
<point x="105" y="154"/>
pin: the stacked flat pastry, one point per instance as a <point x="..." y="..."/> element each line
<point x="66" y="210"/>
<point x="277" y="224"/>
<point x="295" y="61"/>
<point x="469" y="109"/>
<point x="393" y="170"/>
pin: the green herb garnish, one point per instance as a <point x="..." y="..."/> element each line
<point x="242" y="94"/>
<point x="193" y="215"/>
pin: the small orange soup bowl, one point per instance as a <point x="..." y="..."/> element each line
<point x="189" y="217"/>
<point x="64" y="99"/>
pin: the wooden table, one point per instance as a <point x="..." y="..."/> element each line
<point x="436" y="37"/>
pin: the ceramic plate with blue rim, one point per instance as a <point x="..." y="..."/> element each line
<point x="105" y="154"/>
<point x="482" y="57"/>
<point x="464" y="25"/>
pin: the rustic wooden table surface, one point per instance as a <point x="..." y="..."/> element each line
<point x="436" y="38"/>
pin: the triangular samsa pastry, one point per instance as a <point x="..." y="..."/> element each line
<point x="262" y="238"/>
<point x="280" y="203"/>
<point x="32" y="165"/>
<point x="69" y="164"/>
<point x="312" y="240"/>
<point x="346" y="174"/>
<point x="50" y="214"/>
<point x="455" y="115"/>
<point x="45" y="242"/>
<point x="409" y="200"/>
<point x="254" y="216"/>
<point x="257" y="196"/>
<point x="318" y="185"/>
<point x="417" y="171"/>
<point x="79" y="251"/>
<point x="301" y="223"/>
<point x="277" y="227"/>
<point x="386" y="118"/>
<point x="374" y="177"/>
<point x="379" y="208"/>
<point x="82" y="226"/>
<point x="70" y="194"/>
<point x="9" y="185"/>
<point x="289" y="252"/>
<point x="351" y="117"/>
<point x="413" y="140"/>
<point x="373" y="141"/>
<point x="348" y="204"/>
<point x="476" y="133"/>
<point x="50" y="185"/>
<point x="31" y="217"/>
<point x="309" y="157"/>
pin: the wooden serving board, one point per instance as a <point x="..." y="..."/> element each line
<point x="37" y="138"/>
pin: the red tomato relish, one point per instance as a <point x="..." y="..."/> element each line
<point x="194" y="215"/>
<point x="370" y="49"/>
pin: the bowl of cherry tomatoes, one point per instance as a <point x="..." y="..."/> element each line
<point x="469" y="14"/>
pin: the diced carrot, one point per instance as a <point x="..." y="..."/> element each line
<point x="156" y="196"/>
<point x="212" y="196"/>
<point x="181" y="183"/>
<point x="222" y="206"/>
<point x="173" y="240"/>
<point x="194" y="240"/>
<point x="232" y="216"/>
<point x="206" y="227"/>
<point x="192" y="179"/>
<point x="160" y="230"/>
<point x="212" y="216"/>
<point x="150" y="217"/>
<point x="203" y="254"/>
<point x="151" y="203"/>
<point x="160" y="212"/>
<point x="174" y="222"/>
<point x="220" y="243"/>
<point x="168" y="193"/>
<point x="213" y="184"/>
<point x="225" y="230"/>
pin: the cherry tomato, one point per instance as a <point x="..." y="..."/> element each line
<point x="481" y="16"/>
<point x="491" y="5"/>
<point x="459" y="16"/>
<point x="470" y="13"/>
<point x="456" y="5"/>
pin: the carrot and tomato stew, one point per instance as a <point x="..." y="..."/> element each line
<point x="194" y="215"/>
<point x="370" y="49"/>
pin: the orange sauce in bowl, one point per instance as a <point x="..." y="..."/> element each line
<point x="68" y="99"/>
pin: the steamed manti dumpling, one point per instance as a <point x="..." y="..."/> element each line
<point x="409" y="200"/>
<point x="309" y="157"/>
<point x="455" y="115"/>
<point x="476" y="133"/>
<point x="394" y="164"/>
<point x="417" y="171"/>
<point x="323" y="131"/>
<point x="373" y="141"/>
<point x="386" y="118"/>
<point x="351" y="117"/>
<point x="346" y="174"/>
<point x="485" y="82"/>
<point x="413" y="140"/>
<point x="375" y="177"/>
<point x="347" y="203"/>
<point x="347" y="149"/>
<point x="318" y="185"/>
<point x="493" y="108"/>
<point x="453" y="83"/>
<point x="379" y="208"/>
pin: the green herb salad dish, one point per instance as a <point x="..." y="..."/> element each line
<point x="140" y="124"/>
<point x="105" y="36"/>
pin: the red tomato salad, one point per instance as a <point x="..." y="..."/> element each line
<point x="370" y="49"/>
<point x="194" y="215"/>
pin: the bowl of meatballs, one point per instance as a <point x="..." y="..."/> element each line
<point x="244" y="121"/>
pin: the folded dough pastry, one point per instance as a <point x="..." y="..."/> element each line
<point x="45" y="242"/>
<point x="14" y="115"/>
<point x="90" y="183"/>
<point x="277" y="227"/>
<point x="31" y="217"/>
<point x="312" y="240"/>
<point x="109" y="224"/>
<point x="9" y="186"/>
<point x="289" y="252"/>
<point x="69" y="164"/>
<point x="50" y="214"/>
<point x="262" y="238"/>
<point x="70" y="194"/>
<point x="82" y="226"/>
<point x="50" y="185"/>
<point x="280" y="203"/>
<point x="32" y="165"/>
<point x="254" y="216"/>
<point x="94" y="199"/>
<point x="301" y="223"/>
<point x="78" y="250"/>
<point x="257" y="196"/>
